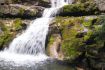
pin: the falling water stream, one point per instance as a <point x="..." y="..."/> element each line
<point x="28" y="49"/>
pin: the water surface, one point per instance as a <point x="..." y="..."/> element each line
<point x="43" y="65"/>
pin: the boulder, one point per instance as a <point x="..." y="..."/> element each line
<point x="85" y="48"/>
<point x="100" y="4"/>
<point x="73" y="32"/>
<point x="80" y="9"/>
<point x="16" y="10"/>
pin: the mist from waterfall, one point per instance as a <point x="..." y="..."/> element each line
<point x="31" y="44"/>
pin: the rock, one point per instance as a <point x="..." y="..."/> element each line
<point x="71" y="30"/>
<point x="44" y="3"/>
<point x="5" y="2"/>
<point x="9" y="28"/>
<point x="54" y="47"/>
<point x="16" y="10"/>
<point x="100" y="4"/>
<point x="80" y="9"/>
<point x="79" y="68"/>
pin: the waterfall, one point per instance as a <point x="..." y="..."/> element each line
<point x="32" y="41"/>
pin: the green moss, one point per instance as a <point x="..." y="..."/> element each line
<point x="5" y="39"/>
<point x="3" y="26"/>
<point x="21" y="11"/>
<point x="71" y="27"/>
<point x="33" y="13"/>
<point x="51" y="40"/>
<point x="17" y="24"/>
<point x="79" y="9"/>
<point x="74" y="38"/>
<point x="5" y="36"/>
<point x="83" y="1"/>
<point x="16" y="1"/>
<point x="100" y="33"/>
<point x="88" y="35"/>
<point x="88" y="23"/>
<point x="70" y="48"/>
<point x="70" y="42"/>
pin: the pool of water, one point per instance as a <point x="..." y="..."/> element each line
<point x="48" y="64"/>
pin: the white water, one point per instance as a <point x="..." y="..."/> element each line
<point x="30" y="46"/>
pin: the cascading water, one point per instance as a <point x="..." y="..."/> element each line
<point x="31" y="44"/>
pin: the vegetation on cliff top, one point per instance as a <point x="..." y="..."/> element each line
<point x="79" y="9"/>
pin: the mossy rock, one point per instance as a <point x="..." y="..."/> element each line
<point x="21" y="11"/>
<point x="9" y="31"/>
<point x="80" y="9"/>
<point x="3" y="27"/>
<point x="74" y="39"/>
<point x="17" y="24"/>
<point x="5" y="36"/>
<point x="5" y="39"/>
<point x="83" y="1"/>
<point x="70" y="41"/>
